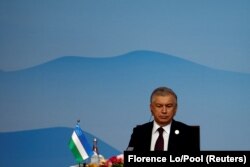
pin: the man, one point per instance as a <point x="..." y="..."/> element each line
<point x="164" y="133"/>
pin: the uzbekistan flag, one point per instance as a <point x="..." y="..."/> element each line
<point x="79" y="145"/>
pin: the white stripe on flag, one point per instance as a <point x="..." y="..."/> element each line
<point x="79" y="146"/>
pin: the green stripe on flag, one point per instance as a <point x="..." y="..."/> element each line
<point x="75" y="151"/>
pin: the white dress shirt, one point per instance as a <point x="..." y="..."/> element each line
<point x="155" y="135"/>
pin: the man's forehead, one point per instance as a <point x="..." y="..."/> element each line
<point x="167" y="98"/>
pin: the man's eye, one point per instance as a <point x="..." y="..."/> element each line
<point x="170" y="105"/>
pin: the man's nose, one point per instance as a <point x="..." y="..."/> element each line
<point x="164" y="109"/>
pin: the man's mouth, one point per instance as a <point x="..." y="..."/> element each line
<point x="164" y="117"/>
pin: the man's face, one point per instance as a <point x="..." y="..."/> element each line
<point x="163" y="109"/>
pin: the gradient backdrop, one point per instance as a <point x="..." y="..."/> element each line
<point x="98" y="61"/>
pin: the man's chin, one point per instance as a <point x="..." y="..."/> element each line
<point x="164" y="122"/>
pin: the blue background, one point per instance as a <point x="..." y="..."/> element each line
<point x="98" y="61"/>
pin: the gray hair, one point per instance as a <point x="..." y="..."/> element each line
<point x="162" y="91"/>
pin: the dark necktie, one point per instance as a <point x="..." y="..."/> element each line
<point x="159" y="145"/>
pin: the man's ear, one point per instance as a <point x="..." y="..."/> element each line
<point x="151" y="112"/>
<point x="150" y="106"/>
<point x="176" y="107"/>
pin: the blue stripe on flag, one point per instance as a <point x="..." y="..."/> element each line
<point x="83" y="140"/>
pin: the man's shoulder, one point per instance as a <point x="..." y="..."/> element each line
<point x="179" y="124"/>
<point x="145" y="125"/>
<point x="184" y="127"/>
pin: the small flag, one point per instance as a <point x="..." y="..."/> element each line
<point x="79" y="145"/>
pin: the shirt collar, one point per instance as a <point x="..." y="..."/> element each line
<point x="166" y="128"/>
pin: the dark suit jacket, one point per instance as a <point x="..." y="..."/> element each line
<point x="187" y="140"/>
